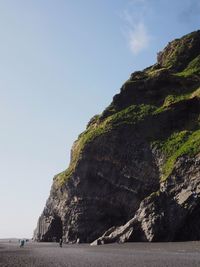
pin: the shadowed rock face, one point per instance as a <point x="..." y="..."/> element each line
<point x="170" y="214"/>
<point x="104" y="190"/>
<point x="134" y="173"/>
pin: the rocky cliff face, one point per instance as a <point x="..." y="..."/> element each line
<point x="134" y="173"/>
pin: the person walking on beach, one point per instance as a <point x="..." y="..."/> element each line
<point x="60" y="242"/>
<point x="22" y="243"/>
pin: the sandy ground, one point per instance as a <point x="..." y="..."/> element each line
<point x="115" y="255"/>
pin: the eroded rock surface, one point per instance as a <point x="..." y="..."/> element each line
<point x="134" y="173"/>
<point x="170" y="214"/>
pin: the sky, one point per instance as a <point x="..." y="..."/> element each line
<point x="61" y="62"/>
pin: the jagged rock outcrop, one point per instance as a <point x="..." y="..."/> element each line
<point x="170" y="214"/>
<point x="134" y="173"/>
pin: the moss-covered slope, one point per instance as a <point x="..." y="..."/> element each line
<point x="148" y="136"/>
<point x="147" y="93"/>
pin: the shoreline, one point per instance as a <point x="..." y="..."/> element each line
<point x="169" y="254"/>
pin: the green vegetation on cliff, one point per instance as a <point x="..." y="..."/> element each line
<point x="193" y="68"/>
<point x="131" y="115"/>
<point x="178" y="144"/>
<point x="172" y="99"/>
<point x="186" y="142"/>
<point x="180" y="52"/>
<point x="150" y="93"/>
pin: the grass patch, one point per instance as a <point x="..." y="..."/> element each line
<point x="175" y="98"/>
<point x="196" y="93"/>
<point x="156" y="72"/>
<point x="131" y="115"/>
<point x="172" y="99"/>
<point x="178" y="144"/>
<point x="193" y="68"/>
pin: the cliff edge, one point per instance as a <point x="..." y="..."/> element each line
<point x="134" y="173"/>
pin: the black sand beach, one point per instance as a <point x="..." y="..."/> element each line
<point x="115" y="255"/>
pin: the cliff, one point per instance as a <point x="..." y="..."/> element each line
<point x="134" y="173"/>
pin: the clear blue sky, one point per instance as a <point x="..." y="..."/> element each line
<point x="61" y="62"/>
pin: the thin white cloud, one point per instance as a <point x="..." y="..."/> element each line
<point x="135" y="29"/>
<point x="138" y="38"/>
